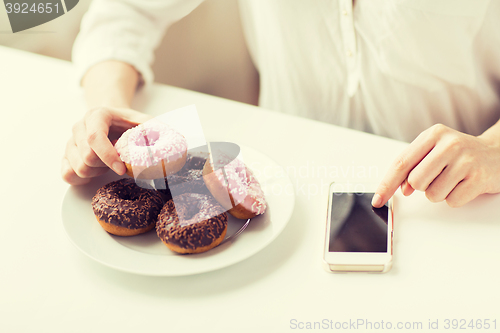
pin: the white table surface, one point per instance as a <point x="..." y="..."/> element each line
<point x="446" y="261"/>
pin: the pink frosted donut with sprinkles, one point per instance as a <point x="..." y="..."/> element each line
<point x="235" y="187"/>
<point x="152" y="150"/>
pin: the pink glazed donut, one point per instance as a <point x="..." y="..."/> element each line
<point x="241" y="195"/>
<point x="152" y="150"/>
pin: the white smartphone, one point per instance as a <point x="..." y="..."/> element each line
<point x="358" y="236"/>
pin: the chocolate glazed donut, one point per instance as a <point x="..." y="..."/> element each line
<point x="192" y="223"/>
<point x="123" y="208"/>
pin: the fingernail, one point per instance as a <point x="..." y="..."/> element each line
<point x="118" y="168"/>
<point x="377" y="201"/>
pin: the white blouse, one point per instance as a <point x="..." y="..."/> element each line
<point x="389" y="67"/>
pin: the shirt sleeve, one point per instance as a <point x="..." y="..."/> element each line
<point x="126" y="30"/>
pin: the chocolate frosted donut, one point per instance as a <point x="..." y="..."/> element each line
<point x="195" y="223"/>
<point x="188" y="180"/>
<point x="125" y="209"/>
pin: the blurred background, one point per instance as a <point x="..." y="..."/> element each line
<point x="205" y="51"/>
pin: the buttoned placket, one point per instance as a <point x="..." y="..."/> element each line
<point x="349" y="42"/>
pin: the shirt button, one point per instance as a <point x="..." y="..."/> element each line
<point x="349" y="53"/>
<point x="345" y="12"/>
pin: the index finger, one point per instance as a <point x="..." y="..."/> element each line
<point x="97" y="126"/>
<point x="401" y="167"/>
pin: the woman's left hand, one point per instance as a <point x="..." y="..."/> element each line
<point x="446" y="165"/>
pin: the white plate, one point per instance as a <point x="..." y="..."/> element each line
<point x="146" y="255"/>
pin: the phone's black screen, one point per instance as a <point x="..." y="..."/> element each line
<point x="356" y="226"/>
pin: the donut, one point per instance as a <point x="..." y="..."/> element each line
<point x="234" y="186"/>
<point x="188" y="180"/>
<point x="192" y="223"/>
<point x="152" y="150"/>
<point x="123" y="208"/>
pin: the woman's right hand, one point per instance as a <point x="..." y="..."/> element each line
<point x="89" y="152"/>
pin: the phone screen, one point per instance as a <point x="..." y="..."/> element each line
<point x="355" y="225"/>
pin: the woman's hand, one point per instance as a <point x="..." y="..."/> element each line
<point x="89" y="152"/>
<point x="446" y="165"/>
